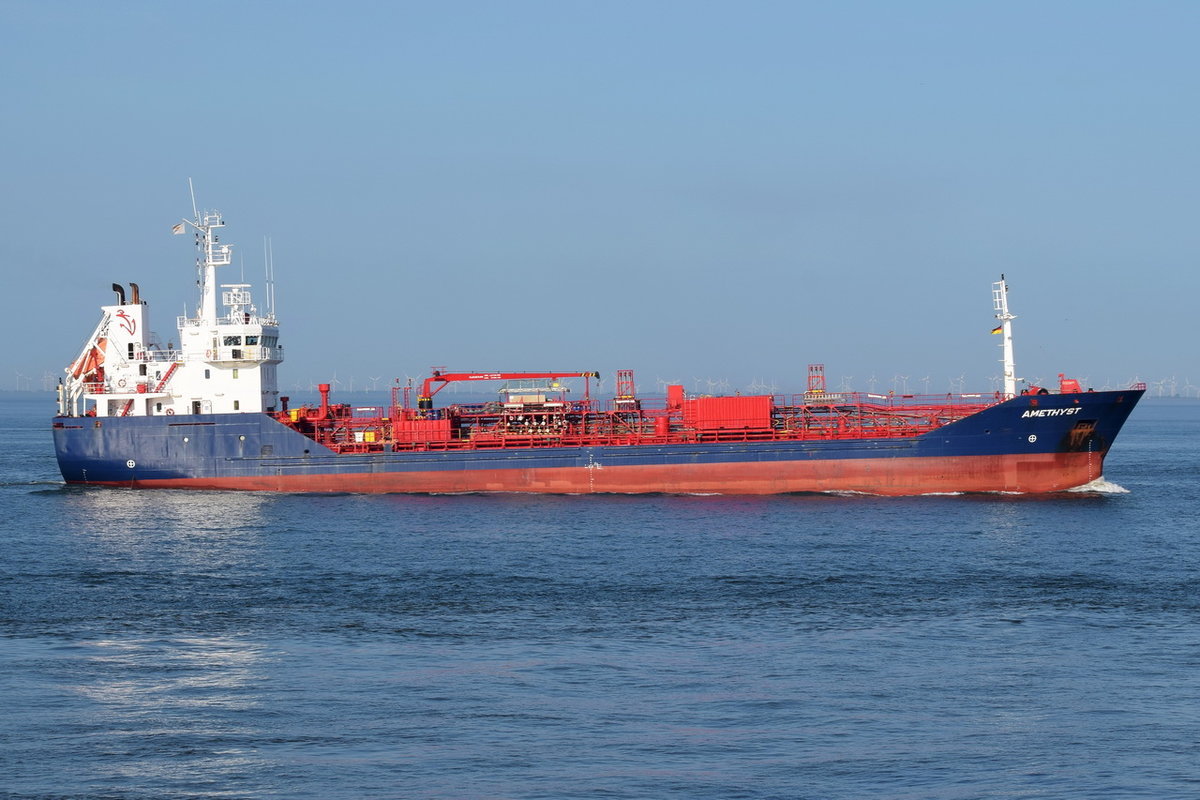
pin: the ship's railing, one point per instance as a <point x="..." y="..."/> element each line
<point x="137" y="385"/>
<point x="252" y="352"/>
<point x="242" y="353"/>
<point x="892" y="399"/>
<point x="870" y="414"/>
<point x="232" y="318"/>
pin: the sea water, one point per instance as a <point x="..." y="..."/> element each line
<point x="176" y="644"/>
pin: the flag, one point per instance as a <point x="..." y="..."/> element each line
<point x="178" y="228"/>
<point x="998" y="329"/>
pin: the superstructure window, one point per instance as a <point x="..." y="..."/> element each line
<point x="237" y="405"/>
<point x="235" y="372"/>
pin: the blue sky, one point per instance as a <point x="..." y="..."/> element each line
<point x="699" y="191"/>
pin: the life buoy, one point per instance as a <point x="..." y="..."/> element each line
<point x="208" y="354"/>
<point x="170" y="412"/>
<point x="121" y="383"/>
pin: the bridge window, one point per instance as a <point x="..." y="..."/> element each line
<point x="250" y="340"/>
<point x="233" y="341"/>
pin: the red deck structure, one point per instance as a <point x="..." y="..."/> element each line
<point x="534" y="410"/>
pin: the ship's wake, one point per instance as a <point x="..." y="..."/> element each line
<point x="1100" y="486"/>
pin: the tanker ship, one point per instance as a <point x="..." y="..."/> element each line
<point x="204" y="411"/>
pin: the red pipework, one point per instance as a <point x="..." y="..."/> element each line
<point x="324" y="389"/>
<point x="845" y="415"/>
<point x="625" y="386"/>
<point x="816" y="379"/>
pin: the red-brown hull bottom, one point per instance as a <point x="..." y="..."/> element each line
<point x="1032" y="473"/>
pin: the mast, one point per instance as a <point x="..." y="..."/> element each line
<point x="1000" y="301"/>
<point x="213" y="255"/>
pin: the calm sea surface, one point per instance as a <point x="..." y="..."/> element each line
<point x="172" y="644"/>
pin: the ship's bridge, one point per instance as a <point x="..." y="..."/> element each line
<point x="241" y="334"/>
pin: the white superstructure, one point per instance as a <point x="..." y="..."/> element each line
<point x="222" y="361"/>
